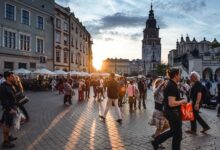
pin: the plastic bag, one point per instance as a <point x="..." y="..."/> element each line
<point x="187" y="112"/>
<point x="17" y="120"/>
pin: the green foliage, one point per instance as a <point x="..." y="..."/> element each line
<point x="161" y="69"/>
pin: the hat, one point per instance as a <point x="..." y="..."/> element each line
<point x="7" y="74"/>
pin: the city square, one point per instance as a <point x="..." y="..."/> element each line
<point x="55" y="126"/>
<point x="114" y="74"/>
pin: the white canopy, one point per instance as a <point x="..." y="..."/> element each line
<point x="73" y="72"/>
<point x="100" y="74"/>
<point x="60" y="72"/>
<point x="21" y="71"/>
<point x="84" y="74"/>
<point x="44" y="71"/>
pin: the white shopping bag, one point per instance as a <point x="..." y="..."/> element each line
<point x="18" y="118"/>
<point x="17" y="121"/>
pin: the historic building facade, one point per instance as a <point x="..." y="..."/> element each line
<point x="73" y="43"/>
<point x="119" y="66"/>
<point x="151" y="46"/>
<point x="202" y="56"/>
<point x="61" y="38"/>
<point x="26" y="34"/>
<point x="42" y="34"/>
<point x="122" y="66"/>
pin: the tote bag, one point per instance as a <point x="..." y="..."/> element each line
<point x="187" y="112"/>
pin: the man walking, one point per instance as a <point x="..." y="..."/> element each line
<point x="112" y="93"/>
<point x="196" y="96"/>
<point x="8" y="101"/>
<point x="172" y="102"/>
<point x="142" y="87"/>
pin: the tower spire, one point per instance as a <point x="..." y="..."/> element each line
<point x="151" y="6"/>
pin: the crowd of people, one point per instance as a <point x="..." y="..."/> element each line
<point x="169" y="94"/>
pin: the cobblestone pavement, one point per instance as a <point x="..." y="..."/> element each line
<point x="54" y="126"/>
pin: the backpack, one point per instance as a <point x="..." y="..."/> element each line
<point x="205" y="94"/>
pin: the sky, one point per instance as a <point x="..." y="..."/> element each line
<point x="116" y="26"/>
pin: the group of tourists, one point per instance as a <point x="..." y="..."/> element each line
<point x="167" y="115"/>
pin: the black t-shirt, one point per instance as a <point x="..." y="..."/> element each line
<point x="171" y="89"/>
<point x="196" y="88"/>
<point x="7" y="95"/>
<point x="112" y="89"/>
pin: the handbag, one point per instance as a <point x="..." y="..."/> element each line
<point x="187" y="112"/>
<point x="22" y="99"/>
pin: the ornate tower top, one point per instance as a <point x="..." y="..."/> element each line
<point x="151" y="22"/>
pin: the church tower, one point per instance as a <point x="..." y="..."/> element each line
<point x="151" y="47"/>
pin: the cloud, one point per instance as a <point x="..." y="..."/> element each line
<point x="136" y="36"/>
<point x="186" y="6"/>
<point x="63" y="2"/>
<point x="111" y="22"/>
<point x="122" y="20"/>
<point x="109" y="39"/>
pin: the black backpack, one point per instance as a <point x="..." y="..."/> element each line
<point x="205" y="94"/>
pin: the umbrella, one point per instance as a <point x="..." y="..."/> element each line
<point x="21" y="71"/>
<point x="60" y="72"/>
<point x="73" y="73"/>
<point x="43" y="71"/>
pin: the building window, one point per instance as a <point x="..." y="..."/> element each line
<point x="58" y="37"/>
<point x="76" y="44"/>
<point x="72" y="57"/>
<point x="25" y="17"/>
<point x="57" y="55"/>
<point x="83" y="48"/>
<point x="24" y="42"/>
<point x="80" y="33"/>
<point x="43" y="59"/>
<point x="22" y="65"/>
<point x="72" y="26"/>
<point x="65" y="56"/>
<point x="8" y="65"/>
<point x="65" y="39"/>
<point x="40" y="22"/>
<point x="33" y="65"/>
<point x="76" y="30"/>
<point x="40" y="46"/>
<point x="72" y="42"/>
<point x="65" y="26"/>
<point x="9" y="39"/>
<point x="58" y="23"/>
<point x="80" y="47"/>
<point x="10" y="12"/>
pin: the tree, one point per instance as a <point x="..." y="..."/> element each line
<point x="161" y="69"/>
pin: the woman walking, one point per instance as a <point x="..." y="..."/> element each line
<point x="158" y="118"/>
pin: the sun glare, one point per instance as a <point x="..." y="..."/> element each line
<point x="97" y="63"/>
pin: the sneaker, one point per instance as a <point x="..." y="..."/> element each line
<point x="190" y="132"/>
<point x="7" y="145"/>
<point x="155" y="146"/>
<point x="11" y="138"/>
<point x="205" y="129"/>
